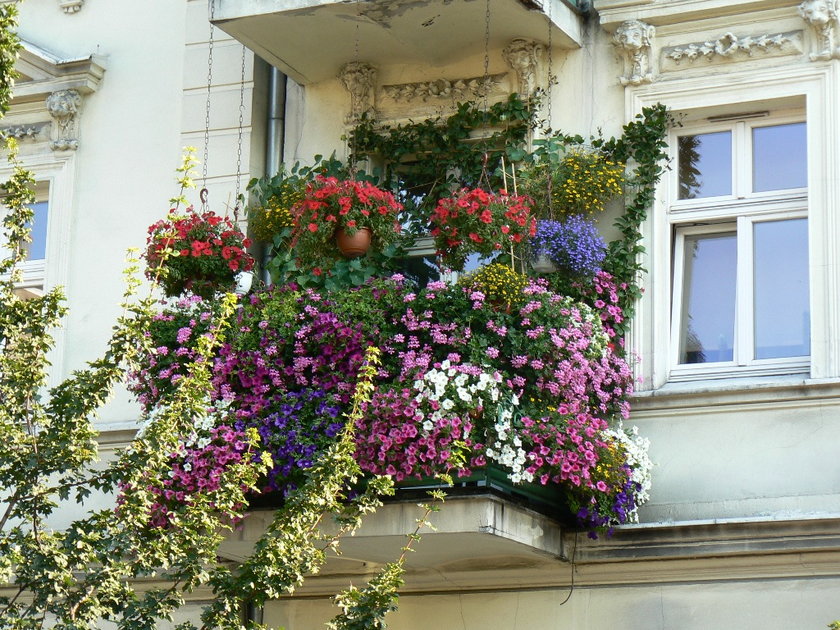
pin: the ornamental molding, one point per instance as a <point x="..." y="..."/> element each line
<point x="359" y="79"/>
<point x="822" y="17"/>
<point x="42" y="72"/>
<point x="634" y="41"/>
<point x="23" y="132"/>
<point x="71" y="6"/>
<point x="731" y="47"/>
<point x="444" y="89"/>
<point x="64" y="107"/>
<point x="524" y="57"/>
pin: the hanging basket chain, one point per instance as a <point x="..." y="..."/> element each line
<point x="547" y="125"/>
<point x="207" y="108"/>
<point x="486" y="80"/>
<point x="237" y="198"/>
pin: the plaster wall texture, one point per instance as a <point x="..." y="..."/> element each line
<point x="750" y="605"/>
<point x="149" y="105"/>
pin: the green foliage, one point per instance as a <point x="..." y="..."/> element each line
<point x="642" y="143"/>
<point x="9" y="49"/>
<point x="424" y="161"/>
<point x="274" y="196"/>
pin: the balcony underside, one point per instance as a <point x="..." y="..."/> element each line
<point x="310" y="40"/>
<point x="473" y="533"/>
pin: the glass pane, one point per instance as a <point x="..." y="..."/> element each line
<point x="782" y="314"/>
<point x="37" y="249"/>
<point x="705" y="165"/>
<point x="708" y="302"/>
<point x="780" y="159"/>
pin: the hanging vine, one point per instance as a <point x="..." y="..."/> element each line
<point x="424" y="161"/>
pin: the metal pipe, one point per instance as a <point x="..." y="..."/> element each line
<point x="275" y="133"/>
<point x="276" y="127"/>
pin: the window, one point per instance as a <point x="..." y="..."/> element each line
<point x="34" y="268"/>
<point x="740" y="296"/>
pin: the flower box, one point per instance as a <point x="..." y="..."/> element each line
<point x="549" y="500"/>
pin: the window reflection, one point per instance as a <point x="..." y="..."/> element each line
<point x="780" y="159"/>
<point x="708" y="317"/>
<point x="37" y="249"/>
<point x="782" y="312"/>
<point x="705" y="165"/>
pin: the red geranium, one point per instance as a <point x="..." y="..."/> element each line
<point x="330" y="204"/>
<point x="491" y="222"/>
<point x="201" y="253"/>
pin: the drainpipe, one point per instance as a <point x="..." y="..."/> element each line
<point x="275" y="132"/>
<point x="276" y="121"/>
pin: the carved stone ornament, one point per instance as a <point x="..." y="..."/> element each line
<point x="634" y="41"/>
<point x="729" y="46"/>
<point x="71" y="6"/>
<point x="21" y="132"/>
<point x="821" y="16"/>
<point x="358" y="79"/>
<point x="449" y="89"/>
<point x="64" y="107"/>
<point x="523" y="56"/>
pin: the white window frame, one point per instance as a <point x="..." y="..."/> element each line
<point x="737" y="212"/>
<point x="57" y="173"/>
<point x="814" y="87"/>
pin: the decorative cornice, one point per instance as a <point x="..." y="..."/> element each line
<point x="449" y="89"/>
<point x="71" y="6"/>
<point x="730" y="46"/>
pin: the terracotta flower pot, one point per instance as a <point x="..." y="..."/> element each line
<point x="353" y="246"/>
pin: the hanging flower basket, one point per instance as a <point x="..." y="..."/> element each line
<point x="572" y="246"/>
<point x="331" y="205"/>
<point x="196" y="253"/>
<point x="479" y="222"/>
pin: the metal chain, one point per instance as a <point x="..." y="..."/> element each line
<point x="239" y="141"/>
<point x="550" y="70"/>
<point x="207" y="107"/>
<point x="486" y="86"/>
<point x="356" y="40"/>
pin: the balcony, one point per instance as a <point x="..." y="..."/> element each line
<point x="309" y="40"/>
<point x="474" y="534"/>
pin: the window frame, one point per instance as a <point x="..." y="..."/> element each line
<point x="698" y="96"/>
<point x="736" y="212"/>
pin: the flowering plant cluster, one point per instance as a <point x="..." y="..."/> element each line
<point x="274" y="216"/>
<point x="574" y="245"/>
<point x="196" y="252"/>
<point x="174" y="333"/>
<point x="579" y="182"/>
<point x="533" y="386"/>
<point x="330" y="204"/>
<point x="498" y="284"/>
<point x="476" y="221"/>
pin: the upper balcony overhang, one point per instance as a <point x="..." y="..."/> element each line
<point x="309" y="40"/>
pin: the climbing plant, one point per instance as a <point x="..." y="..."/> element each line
<point x="424" y="161"/>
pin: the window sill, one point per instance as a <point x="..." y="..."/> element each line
<point x="798" y="389"/>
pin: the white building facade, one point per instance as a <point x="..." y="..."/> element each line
<point x="737" y="334"/>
